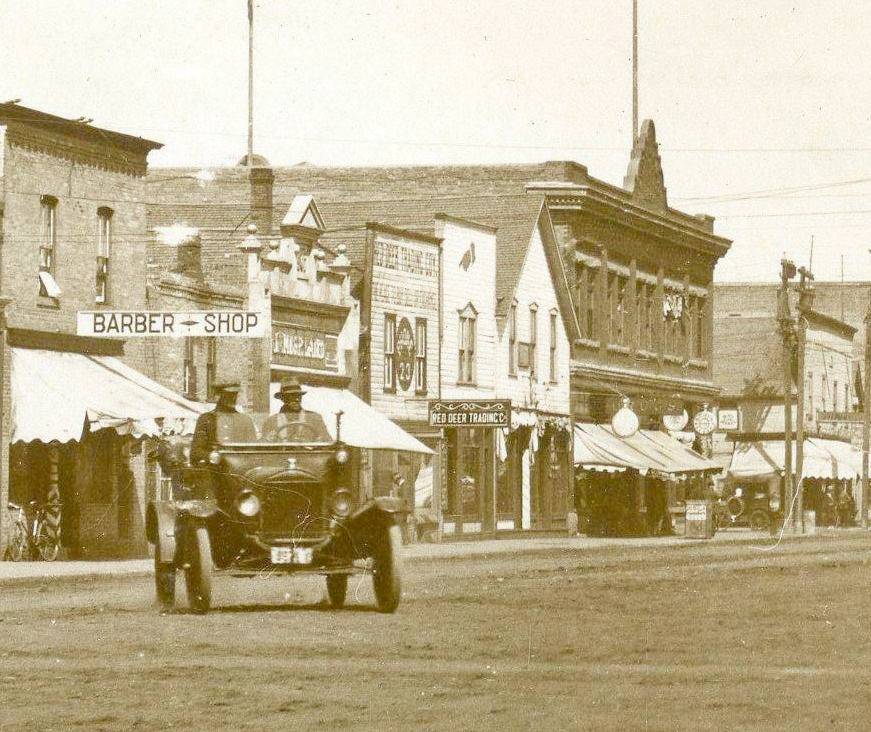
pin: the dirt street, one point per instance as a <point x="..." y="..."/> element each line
<point x="718" y="636"/>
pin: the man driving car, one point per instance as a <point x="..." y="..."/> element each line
<point x="293" y="423"/>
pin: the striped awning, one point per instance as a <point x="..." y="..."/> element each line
<point x="598" y="447"/>
<point x="60" y="396"/>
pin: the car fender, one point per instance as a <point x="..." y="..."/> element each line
<point x="365" y="526"/>
<point x="161" y="526"/>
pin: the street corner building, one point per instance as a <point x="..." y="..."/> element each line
<point x="76" y="411"/>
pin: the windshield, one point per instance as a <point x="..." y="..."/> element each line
<point x="282" y="428"/>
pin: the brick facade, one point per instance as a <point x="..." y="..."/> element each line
<point x="82" y="170"/>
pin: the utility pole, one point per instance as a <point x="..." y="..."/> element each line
<point x="805" y="303"/>
<point x="866" y="422"/>
<point x="634" y="71"/>
<point x="251" y="85"/>
<point x="787" y="272"/>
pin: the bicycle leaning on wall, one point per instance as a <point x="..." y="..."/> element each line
<point x="38" y="539"/>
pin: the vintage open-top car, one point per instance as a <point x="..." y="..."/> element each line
<point x="279" y="498"/>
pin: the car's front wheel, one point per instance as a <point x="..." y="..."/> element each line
<point x="198" y="575"/>
<point x="337" y="588"/>
<point x="387" y="569"/>
<point x="164" y="580"/>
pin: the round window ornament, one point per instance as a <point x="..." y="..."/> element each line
<point x="625" y="422"/>
<point x="705" y="422"/>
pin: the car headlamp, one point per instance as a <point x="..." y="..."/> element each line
<point x="248" y="504"/>
<point x="774" y="503"/>
<point x="214" y="457"/>
<point x="342" y="456"/>
<point x="342" y="503"/>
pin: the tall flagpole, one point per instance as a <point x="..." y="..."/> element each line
<point x="250" y="83"/>
<point x="634" y="71"/>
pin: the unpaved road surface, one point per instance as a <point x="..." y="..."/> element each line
<point x="717" y="636"/>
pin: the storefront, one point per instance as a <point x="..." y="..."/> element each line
<point x="634" y="485"/>
<point x="76" y="440"/>
<point x="831" y="475"/>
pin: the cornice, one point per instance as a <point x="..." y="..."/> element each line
<point x="638" y="378"/>
<point x="669" y="226"/>
<point x="101" y="156"/>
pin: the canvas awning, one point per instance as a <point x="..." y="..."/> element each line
<point x="59" y="396"/>
<point x="597" y="447"/>
<point x="362" y="425"/>
<point x="822" y="459"/>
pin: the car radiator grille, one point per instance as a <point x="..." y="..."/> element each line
<point x="294" y="510"/>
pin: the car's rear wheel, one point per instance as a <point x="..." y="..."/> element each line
<point x="387" y="569"/>
<point x="337" y="588"/>
<point x="198" y="576"/>
<point x="164" y="580"/>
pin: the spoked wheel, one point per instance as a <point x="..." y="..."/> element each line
<point x="198" y="575"/>
<point x="164" y="580"/>
<point x="19" y="546"/>
<point x="759" y="520"/>
<point x="387" y="569"/>
<point x="337" y="588"/>
<point x="47" y="545"/>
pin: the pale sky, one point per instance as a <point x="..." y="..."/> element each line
<point x="747" y="96"/>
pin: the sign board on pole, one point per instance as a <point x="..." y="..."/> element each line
<point x="470" y="413"/>
<point x="138" y="323"/>
<point x="727" y="420"/>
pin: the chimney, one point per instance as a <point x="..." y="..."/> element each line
<point x="261" y="179"/>
<point x="185" y="244"/>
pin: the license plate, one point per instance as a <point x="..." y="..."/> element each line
<point x="291" y="555"/>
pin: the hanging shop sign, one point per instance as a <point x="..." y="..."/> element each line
<point x="675" y="422"/>
<point x="625" y="422"/>
<point x="470" y="413"/>
<point x="705" y="421"/>
<point x="727" y="420"/>
<point x="135" y="323"/>
<point x="405" y="352"/>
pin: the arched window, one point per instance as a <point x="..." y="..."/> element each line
<point x="104" y="249"/>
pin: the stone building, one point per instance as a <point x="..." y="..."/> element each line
<point x="73" y="232"/>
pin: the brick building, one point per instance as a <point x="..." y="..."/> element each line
<point x="73" y="238"/>
<point x="632" y="276"/>
<point x="198" y="260"/>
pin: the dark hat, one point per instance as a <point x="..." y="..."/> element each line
<point x="227" y="387"/>
<point x="289" y="388"/>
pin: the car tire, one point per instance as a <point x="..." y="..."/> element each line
<point x="164" y="581"/>
<point x="759" y="520"/>
<point x="198" y="575"/>
<point x="337" y="588"/>
<point x="387" y="569"/>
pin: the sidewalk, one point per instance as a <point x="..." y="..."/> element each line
<point x="18" y="572"/>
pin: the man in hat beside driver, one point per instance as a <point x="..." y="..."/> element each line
<point x="293" y="423"/>
<point x="224" y="418"/>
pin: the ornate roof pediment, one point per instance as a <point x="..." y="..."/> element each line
<point x="644" y="179"/>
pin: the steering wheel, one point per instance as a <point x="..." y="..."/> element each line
<point x="295" y="430"/>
